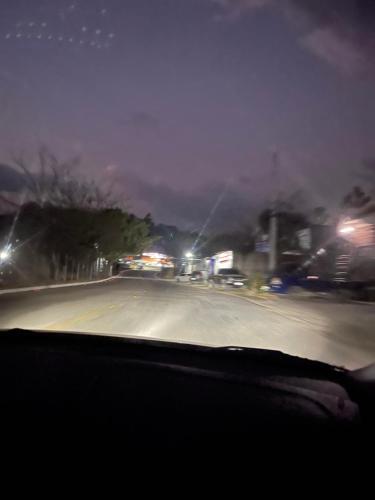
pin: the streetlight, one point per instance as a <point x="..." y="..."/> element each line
<point x="4" y="254"/>
<point x="346" y="229"/>
<point x="189" y="256"/>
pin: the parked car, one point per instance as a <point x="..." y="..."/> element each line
<point x="228" y="277"/>
<point x="287" y="280"/>
<point x="197" y="276"/>
<point x="183" y="277"/>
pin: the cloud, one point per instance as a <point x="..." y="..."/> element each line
<point x="10" y="180"/>
<point x="141" y="121"/>
<point x="241" y="5"/>
<point x="232" y="9"/>
<point x="336" y="50"/>
<point x="189" y="210"/>
<point x="340" y="32"/>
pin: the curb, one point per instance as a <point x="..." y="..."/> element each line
<point x="46" y="287"/>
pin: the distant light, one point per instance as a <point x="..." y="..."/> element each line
<point x="8" y="35"/>
<point x="111" y="35"/>
<point x="189" y="255"/>
<point x="84" y="28"/>
<point x="4" y="255"/>
<point x="346" y="229"/>
<point x="321" y="251"/>
<point x="312" y="277"/>
<point x="97" y="32"/>
<point x="103" y="12"/>
<point x="154" y="255"/>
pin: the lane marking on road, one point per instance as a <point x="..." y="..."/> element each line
<point x="87" y="315"/>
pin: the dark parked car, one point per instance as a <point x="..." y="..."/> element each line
<point x="228" y="277"/>
<point x="284" y="283"/>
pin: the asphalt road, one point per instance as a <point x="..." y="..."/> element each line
<point x="340" y="334"/>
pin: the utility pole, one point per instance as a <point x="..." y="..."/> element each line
<point x="273" y="229"/>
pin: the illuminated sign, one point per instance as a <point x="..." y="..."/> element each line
<point x="223" y="260"/>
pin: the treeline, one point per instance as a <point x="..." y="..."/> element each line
<point x="65" y="228"/>
<point x="61" y="243"/>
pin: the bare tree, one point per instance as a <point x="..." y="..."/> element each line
<point x="56" y="182"/>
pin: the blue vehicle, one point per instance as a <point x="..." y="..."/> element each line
<point x="290" y="277"/>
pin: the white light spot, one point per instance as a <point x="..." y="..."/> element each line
<point x="61" y="38"/>
<point x="72" y="6"/>
<point x="103" y="12"/>
<point x="111" y="35"/>
<point x="8" y="35"/>
<point x="39" y="36"/>
<point x="81" y="42"/>
<point x="31" y="24"/>
<point x="44" y="25"/>
<point x="97" y="32"/>
<point x="50" y="37"/>
<point x="71" y="39"/>
<point x="19" y="35"/>
<point x="84" y="28"/>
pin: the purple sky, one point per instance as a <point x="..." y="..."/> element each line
<point x="174" y="99"/>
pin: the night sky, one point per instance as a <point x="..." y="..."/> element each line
<point x="177" y="100"/>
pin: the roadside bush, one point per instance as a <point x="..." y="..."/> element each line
<point x="256" y="283"/>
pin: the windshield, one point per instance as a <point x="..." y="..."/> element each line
<point x="148" y="147"/>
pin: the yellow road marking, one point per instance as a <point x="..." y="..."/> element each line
<point x="87" y="315"/>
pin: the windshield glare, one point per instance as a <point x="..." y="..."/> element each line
<point x="150" y="147"/>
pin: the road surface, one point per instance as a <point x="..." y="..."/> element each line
<point x="340" y="334"/>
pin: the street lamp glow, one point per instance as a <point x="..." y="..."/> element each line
<point x="346" y="230"/>
<point x="4" y="255"/>
<point x="189" y="255"/>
